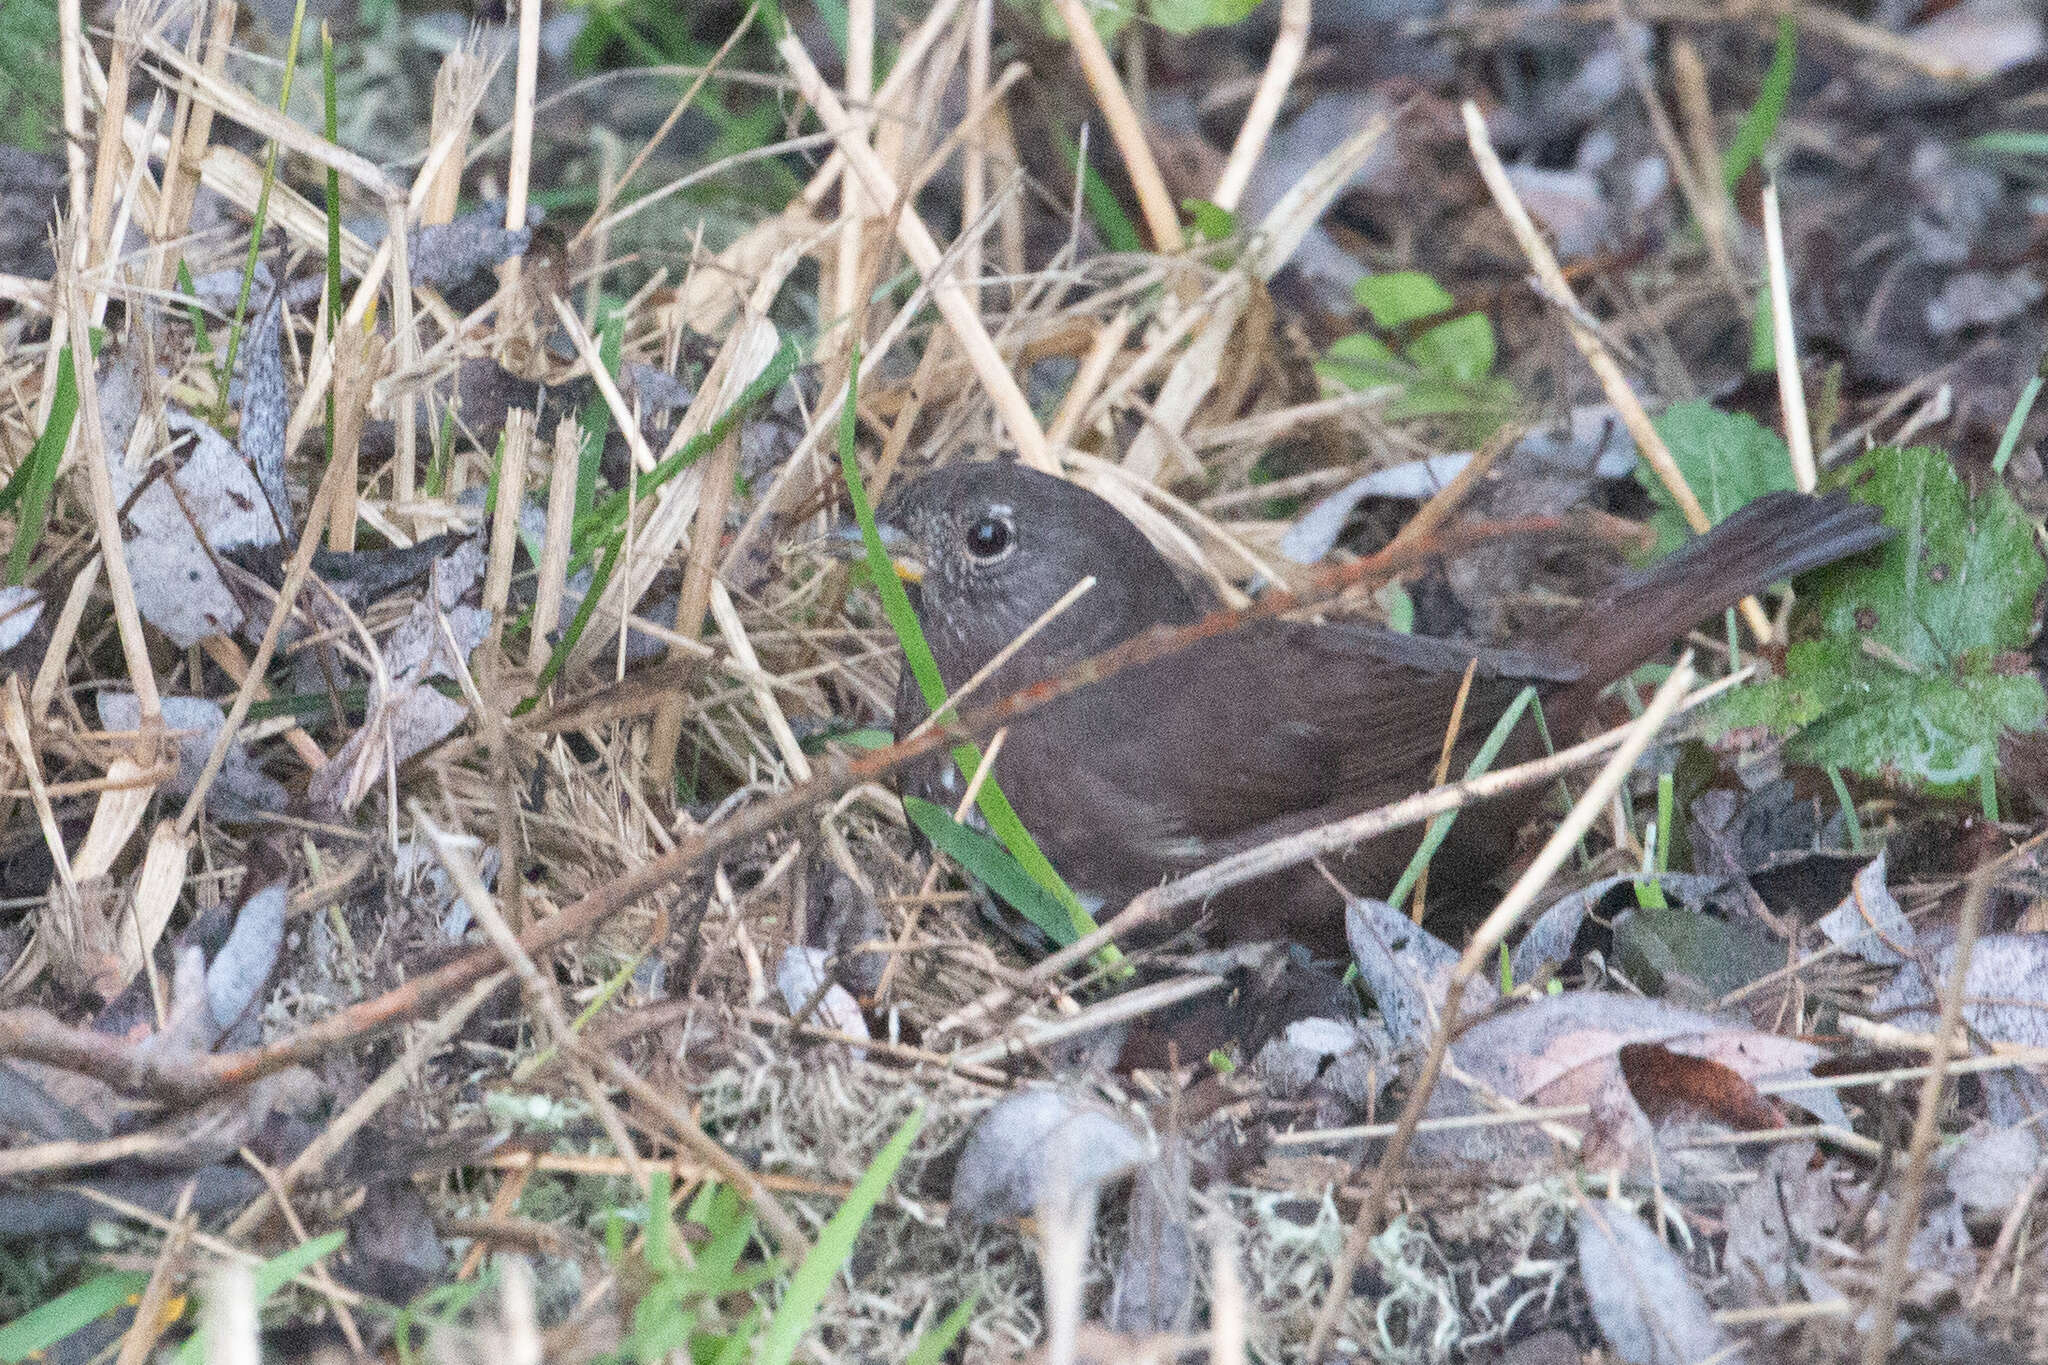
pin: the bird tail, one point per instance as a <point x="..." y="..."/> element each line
<point x="1775" y="537"/>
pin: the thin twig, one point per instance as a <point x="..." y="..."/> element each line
<point x="1904" y="1218"/>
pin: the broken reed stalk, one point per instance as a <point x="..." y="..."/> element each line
<point x="1521" y="897"/>
<point x="1785" y="349"/>
<point x="517" y="444"/>
<point x="1289" y="46"/>
<point x="1612" y="382"/>
<point x="71" y="65"/>
<point x="714" y="501"/>
<point x="519" y="165"/>
<point x="1162" y="223"/>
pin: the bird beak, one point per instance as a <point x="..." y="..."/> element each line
<point x="902" y="549"/>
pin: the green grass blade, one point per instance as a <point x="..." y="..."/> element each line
<point x="1757" y="129"/>
<point x="995" y="807"/>
<point x="992" y="863"/>
<point x="931" y="1348"/>
<point x="597" y="414"/>
<point x="808" y="1286"/>
<point x="47" y="1324"/>
<point x="37" y="476"/>
<point x="1105" y="210"/>
<point x="1440" y="827"/>
<point x="2009" y="439"/>
<point x="273" y="1275"/>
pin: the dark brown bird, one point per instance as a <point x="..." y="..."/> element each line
<point x="1279" y="726"/>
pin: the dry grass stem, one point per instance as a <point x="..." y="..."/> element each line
<point x="1612" y="382"/>
<point x="1289" y="45"/>
<point x="924" y="253"/>
<point x="1791" y="381"/>
<point x="1903" y="1221"/>
<point x="1162" y="221"/>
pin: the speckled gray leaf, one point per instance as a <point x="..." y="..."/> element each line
<point x="1648" y="1308"/>
<point x="240" y="787"/>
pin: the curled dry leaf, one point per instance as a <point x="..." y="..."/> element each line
<point x="1565" y="1049"/>
<point x="1041" y="1149"/>
<point x="803" y="977"/>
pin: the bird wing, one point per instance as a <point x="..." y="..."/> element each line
<point x="1283" y="719"/>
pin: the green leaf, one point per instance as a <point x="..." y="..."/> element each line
<point x="47" y="1324"/>
<point x="1959" y="578"/>
<point x="813" y="1278"/>
<point x="990" y="861"/>
<point x="1400" y="297"/>
<point x="1762" y="122"/>
<point x="1728" y="459"/>
<point x="1192" y="16"/>
<point x="1213" y="221"/>
<point x="1460" y="350"/>
<point x="1918" y="669"/>
<point x="1363" y="361"/>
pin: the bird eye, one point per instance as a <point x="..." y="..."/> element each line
<point x="989" y="537"/>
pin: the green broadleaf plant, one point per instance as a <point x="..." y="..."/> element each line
<point x="1918" y="668"/>
<point x="1444" y="369"/>
<point x="1728" y="459"/>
